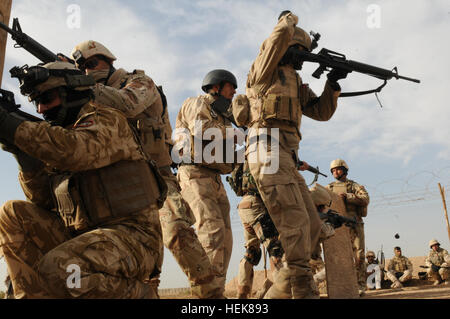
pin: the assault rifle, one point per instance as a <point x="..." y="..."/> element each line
<point x="328" y="59"/>
<point x="338" y="220"/>
<point x="311" y="169"/>
<point x="8" y="103"/>
<point x="31" y="45"/>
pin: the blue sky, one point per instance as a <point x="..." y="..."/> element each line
<point x="399" y="152"/>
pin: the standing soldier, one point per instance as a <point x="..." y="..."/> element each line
<point x="277" y="100"/>
<point x="438" y="262"/>
<point x="93" y="198"/>
<point x="143" y="103"/>
<point x="399" y="270"/>
<point x="356" y="200"/>
<point x="258" y="229"/>
<point x="199" y="176"/>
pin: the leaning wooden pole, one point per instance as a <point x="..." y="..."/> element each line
<point x="5" y="12"/>
<point x="442" y="190"/>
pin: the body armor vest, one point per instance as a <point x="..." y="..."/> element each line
<point x="347" y="187"/>
<point x="85" y="200"/>
<point x="400" y="264"/>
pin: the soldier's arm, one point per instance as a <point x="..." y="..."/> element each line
<point x="138" y="94"/>
<point x="360" y="196"/>
<point x="428" y="261"/>
<point x="100" y="139"/>
<point x="319" y="108"/>
<point x="391" y="265"/>
<point x="271" y="52"/>
<point x="36" y="187"/>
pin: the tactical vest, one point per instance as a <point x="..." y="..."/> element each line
<point x="347" y="187"/>
<point x="87" y="199"/>
<point x="280" y="106"/>
<point x="437" y="258"/>
<point x="400" y="264"/>
<point x="151" y="125"/>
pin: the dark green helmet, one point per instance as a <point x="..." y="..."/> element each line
<point x="218" y="76"/>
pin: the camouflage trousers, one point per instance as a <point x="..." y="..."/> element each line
<point x="406" y="276"/>
<point x="180" y="238"/>
<point x="289" y="203"/>
<point x="442" y="274"/>
<point x="250" y="209"/>
<point x="205" y="194"/>
<point x="357" y="238"/>
<point x="45" y="261"/>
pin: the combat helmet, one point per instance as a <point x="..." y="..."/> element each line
<point x="87" y="49"/>
<point x="320" y="195"/>
<point x="74" y="88"/>
<point x="218" y="76"/>
<point x="339" y="163"/>
<point x="433" y="242"/>
<point x="301" y="37"/>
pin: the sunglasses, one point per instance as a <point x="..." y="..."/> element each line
<point x="89" y="64"/>
<point x="46" y="97"/>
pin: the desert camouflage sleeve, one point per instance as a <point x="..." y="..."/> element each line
<point x="198" y="110"/>
<point x="36" y="187"/>
<point x="319" y="108"/>
<point x="359" y="197"/>
<point x="271" y="52"/>
<point x="139" y="93"/>
<point x="391" y="265"/>
<point x="98" y="139"/>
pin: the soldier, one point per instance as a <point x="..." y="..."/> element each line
<point x="438" y="263"/>
<point x="356" y="200"/>
<point x="199" y="176"/>
<point x="258" y="229"/>
<point x="399" y="269"/>
<point x="277" y="100"/>
<point x="373" y="268"/>
<point x="144" y="104"/>
<point x="90" y="227"/>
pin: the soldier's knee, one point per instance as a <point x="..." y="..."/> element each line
<point x="253" y="255"/>
<point x="53" y="275"/>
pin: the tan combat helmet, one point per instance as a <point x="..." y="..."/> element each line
<point x="370" y="253"/>
<point x="87" y="49"/>
<point x="338" y="163"/>
<point x="301" y="37"/>
<point x="320" y="195"/>
<point x="433" y="242"/>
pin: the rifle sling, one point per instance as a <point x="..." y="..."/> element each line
<point x="377" y="90"/>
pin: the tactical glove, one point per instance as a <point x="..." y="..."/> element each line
<point x="8" y="125"/>
<point x="26" y="162"/>
<point x="336" y="75"/>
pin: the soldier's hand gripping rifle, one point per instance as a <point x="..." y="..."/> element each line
<point x="329" y="60"/>
<point x="311" y="169"/>
<point x="31" y="45"/>
<point x="8" y="103"/>
<point x="338" y="220"/>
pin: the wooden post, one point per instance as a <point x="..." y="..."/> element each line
<point x="442" y="190"/>
<point x="5" y="12"/>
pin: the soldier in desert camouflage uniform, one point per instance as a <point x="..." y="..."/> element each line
<point x="199" y="176"/>
<point x="277" y="100"/>
<point x="356" y="200"/>
<point x="399" y="270"/>
<point x="438" y="262"/>
<point x="93" y="199"/>
<point x="144" y="104"/>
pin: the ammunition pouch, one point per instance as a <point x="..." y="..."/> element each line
<point x="253" y="255"/>
<point x="284" y="108"/>
<point x="248" y="182"/>
<point x="265" y="228"/>
<point x="151" y="135"/>
<point x="235" y="180"/>
<point x="88" y="199"/>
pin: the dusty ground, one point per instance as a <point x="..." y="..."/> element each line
<point x="416" y="289"/>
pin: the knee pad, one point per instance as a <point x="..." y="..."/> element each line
<point x="275" y="249"/>
<point x="265" y="228"/>
<point x="253" y="255"/>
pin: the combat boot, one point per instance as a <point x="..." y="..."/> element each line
<point x="304" y="287"/>
<point x="281" y="289"/>
<point x="397" y="284"/>
<point x="243" y="292"/>
<point x="209" y="288"/>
